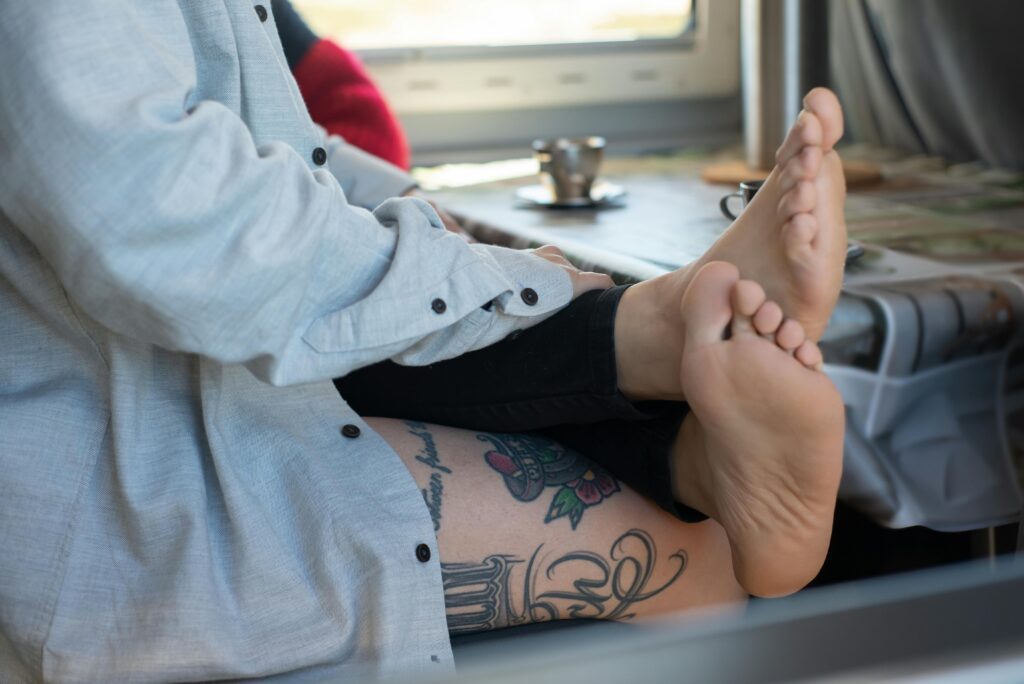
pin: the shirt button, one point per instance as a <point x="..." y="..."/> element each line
<point x="319" y="156"/>
<point x="438" y="306"/>
<point x="261" y="12"/>
<point x="351" y="431"/>
<point x="422" y="553"/>
<point x="529" y="296"/>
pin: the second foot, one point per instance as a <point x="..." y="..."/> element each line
<point x="792" y="237"/>
<point x="791" y="240"/>
<point x="762" y="450"/>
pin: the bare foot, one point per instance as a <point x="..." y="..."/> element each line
<point x="791" y="239"/>
<point x="762" y="451"/>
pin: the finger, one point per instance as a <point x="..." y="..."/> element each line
<point x="560" y="260"/>
<point x="450" y="223"/>
<point x="554" y="257"/>
<point x="549" y="249"/>
<point x="584" y="281"/>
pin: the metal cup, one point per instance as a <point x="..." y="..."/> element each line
<point x="568" y="166"/>
<point x="746" y="193"/>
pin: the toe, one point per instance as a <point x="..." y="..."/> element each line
<point x="790" y="335"/>
<point x="800" y="200"/>
<point x="747" y="298"/>
<point x="804" y="132"/>
<point x="802" y="167"/>
<point x="798" y="235"/>
<point x="706" y="307"/>
<point x="825" y="106"/>
<point x="809" y="354"/>
<point x="768" y="318"/>
<point x="810" y="162"/>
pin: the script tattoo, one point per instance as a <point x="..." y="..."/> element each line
<point x="529" y="464"/>
<point x="429" y="457"/>
<point x="579" y="584"/>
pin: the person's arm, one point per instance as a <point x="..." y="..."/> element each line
<point x="168" y="223"/>
<point x="338" y="91"/>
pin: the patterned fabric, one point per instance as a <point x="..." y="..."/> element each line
<point x="179" y="279"/>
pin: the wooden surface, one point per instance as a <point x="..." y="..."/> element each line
<point x="858" y="173"/>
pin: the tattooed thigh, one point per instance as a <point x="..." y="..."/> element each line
<point x="530" y="531"/>
<point x="507" y="590"/>
<point x="530" y="465"/>
<point x="433" y="494"/>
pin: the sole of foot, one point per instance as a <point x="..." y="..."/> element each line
<point x="791" y="239"/>
<point x="761" y="451"/>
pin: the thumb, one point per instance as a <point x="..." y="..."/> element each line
<point x="584" y="281"/>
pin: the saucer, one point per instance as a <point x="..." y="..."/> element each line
<point x="602" y="193"/>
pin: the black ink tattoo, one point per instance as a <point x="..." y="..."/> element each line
<point x="429" y="457"/>
<point x="579" y="584"/>
<point x="477" y="596"/>
<point x="529" y="464"/>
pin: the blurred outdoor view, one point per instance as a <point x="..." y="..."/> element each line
<point x="368" y="24"/>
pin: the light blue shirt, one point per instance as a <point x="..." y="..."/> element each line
<point x="179" y="280"/>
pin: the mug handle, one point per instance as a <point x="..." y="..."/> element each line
<point x="724" y="204"/>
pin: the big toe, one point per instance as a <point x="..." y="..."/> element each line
<point x="824" y="104"/>
<point x="706" y="306"/>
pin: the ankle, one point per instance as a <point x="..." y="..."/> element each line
<point x="688" y="470"/>
<point x="649" y="336"/>
<point x="629" y="350"/>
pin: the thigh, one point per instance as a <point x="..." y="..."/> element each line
<point x="529" y="531"/>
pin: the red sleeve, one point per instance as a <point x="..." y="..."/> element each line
<point x="342" y="98"/>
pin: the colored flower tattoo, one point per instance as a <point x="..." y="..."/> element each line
<point x="530" y="464"/>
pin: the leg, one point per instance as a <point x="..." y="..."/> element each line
<point x="529" y="531"/>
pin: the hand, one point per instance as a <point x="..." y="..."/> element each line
<point x="582" y="281"/>
<point x="450" y="223"/>
<point x="447" y="219"/>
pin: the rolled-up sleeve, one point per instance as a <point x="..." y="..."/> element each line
<point x="172" y="225"/>
<point x="367" y="180"/>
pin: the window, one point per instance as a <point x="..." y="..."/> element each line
<point x="391" y="24"/>
<point x="479" y="79"/>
